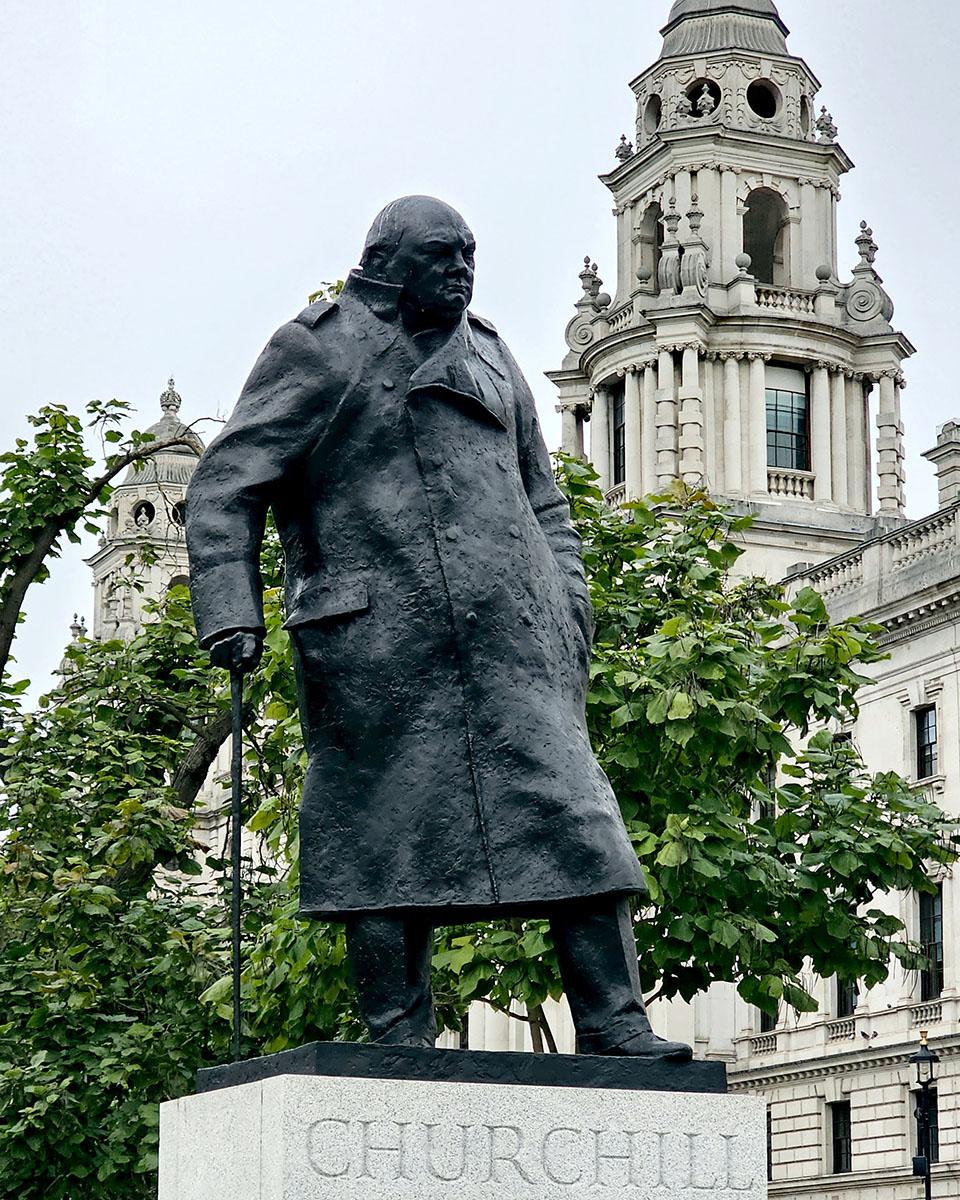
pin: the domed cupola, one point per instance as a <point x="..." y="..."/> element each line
<point x="726" y="62"/>
<point x="699" y="26"/>
<point x="173" y="465"/>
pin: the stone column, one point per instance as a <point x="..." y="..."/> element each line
<point x="813" y="254"/>
<point x="712" y="427"/>
<point x="632" y="434"/>
<point x="569" y="430"/>
<point x="649" y="437"/>
<point x="600" y="438"/>
<point x="732" y="429"/>
<point x="757" y="480"/>
<point x="838" y="435"/>
<point x="890" y="446"/>
<point x="666" y="420"/>
<point x="691" y="417"/>
<point x="820" y="433"/>
<point x="858" y="489"/>
<point x="731" y="235"/>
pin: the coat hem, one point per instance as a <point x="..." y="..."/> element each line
<point x="463" y="914"/>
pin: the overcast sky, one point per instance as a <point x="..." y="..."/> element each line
<point x="177" y="177"/>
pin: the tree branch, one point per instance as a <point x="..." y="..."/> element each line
<point x="29" y="565"/>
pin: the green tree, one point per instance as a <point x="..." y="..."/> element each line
<point x="709" y="702"/>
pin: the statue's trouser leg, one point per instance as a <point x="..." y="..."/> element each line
<point x="390" y="964"/>
<point x="598" y="964"/>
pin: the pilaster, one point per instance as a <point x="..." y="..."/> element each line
<point x="841" y="450"/>
<point x="757" y="480"/>
<point x="732" y="430"/>
<point x="666" y="420"/>
<point x="633" y="433"/>
<point x="820" y="429"/>
<point x="600" y="455"/>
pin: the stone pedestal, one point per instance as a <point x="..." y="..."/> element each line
<point x="343" y="1136"/>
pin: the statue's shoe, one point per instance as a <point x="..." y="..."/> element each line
<point x="648" y="1045"/>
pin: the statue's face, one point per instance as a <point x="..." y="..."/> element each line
<point x="434" y="264"/>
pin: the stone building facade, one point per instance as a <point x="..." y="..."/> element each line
<point x="736" y="353"/>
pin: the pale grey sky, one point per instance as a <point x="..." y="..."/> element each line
<point x="177" y="177"/>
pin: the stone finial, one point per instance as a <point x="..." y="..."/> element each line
<point x="825" y="127"/>
<point x="671" y="217"/>
<point x="866" y="245"/>
<point x="705" y="102"/>
<point x="78" y="629"/>
<point x="824" y="273"/>
<point x="684" y="106"/>
<point x="170" y="399"/>
<point x="624" y="151"/>
<point x="589" y="279"/>
<point x="695" y="215"/>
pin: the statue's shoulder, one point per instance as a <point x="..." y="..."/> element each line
<point x="483" y="323"/>
<point x="314" y="313"/>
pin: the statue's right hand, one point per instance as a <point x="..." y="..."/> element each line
<point x="240" y="651"/>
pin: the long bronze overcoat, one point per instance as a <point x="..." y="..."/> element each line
<point x="438" y="609"/>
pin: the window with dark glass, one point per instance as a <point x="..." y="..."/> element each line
<point x="934" y="1124"/>
<point x="927" y="756"/>
<point x="768" y="1022"/>
<point x="769" y="1143"/>
<point x="847" y="996"/>
<point x="931" y="941"/>
<point x="619" y="435"/>
<point x="788" y="430"/>
<point x="768" y="808"/>
<point x="842" y="1157"/>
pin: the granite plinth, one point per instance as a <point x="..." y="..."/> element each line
<point x="307" y="1137"/>
<point x="471" y="1066"/>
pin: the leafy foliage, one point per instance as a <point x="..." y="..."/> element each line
<point x="763" y="838"/>
<point x="710" y="703"/>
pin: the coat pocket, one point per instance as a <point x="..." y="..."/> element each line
<point x="343" y="600"/>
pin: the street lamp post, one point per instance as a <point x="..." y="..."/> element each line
<point x="925" y="1061"/>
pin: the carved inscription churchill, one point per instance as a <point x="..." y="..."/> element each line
<point x="623" y="1160"/>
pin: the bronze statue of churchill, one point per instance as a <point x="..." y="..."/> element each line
<point x="441" y="628"/>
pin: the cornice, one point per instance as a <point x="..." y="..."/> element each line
<point x="784" y="1074"/>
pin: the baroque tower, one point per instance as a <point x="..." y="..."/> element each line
<point x="146" y="514"/>
<point x="733" y="354"/>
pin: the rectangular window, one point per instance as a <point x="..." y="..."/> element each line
<point x="925" y="720"/>
<point x="769" y="1143"/>
<point x="842" y="1158"/>
<point x="767" y="1023"/>
<point x="847" y="996"/>
<point x="934" y="1124"/>
<point x="619" y="435"/>
<point x="931" y="939"/>
<point x="788" y="432"/>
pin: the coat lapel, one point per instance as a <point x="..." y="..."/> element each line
<point x="453" y="370"/>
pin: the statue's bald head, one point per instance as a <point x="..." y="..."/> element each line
<point x="410" y="216"/>
<point x="425" y="247"/>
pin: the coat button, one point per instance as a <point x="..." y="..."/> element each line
<point x="389" y="384"/>
<point x="452" y="533"/>
<point x="513" y="531"/>
<point x="526" y="617"/>
<point x="472" y="620"/>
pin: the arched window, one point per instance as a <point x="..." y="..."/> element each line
<point x="650" y="244"/>
<point x="765" y="237"/>
<point x="179" y="581"/>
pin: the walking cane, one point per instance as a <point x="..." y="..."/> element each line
<point x="236" y="703"/>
